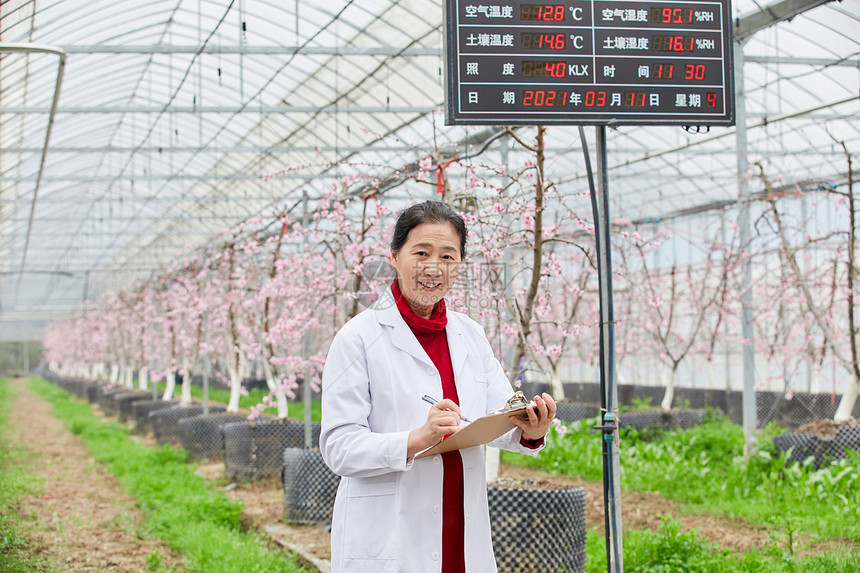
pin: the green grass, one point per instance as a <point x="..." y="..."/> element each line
<point x="254" y="397"/>
<point x="705" y="469"/>
<point x="16" y="482"/>
<point x="178" y="505"/>
<point x="669" y="550"/>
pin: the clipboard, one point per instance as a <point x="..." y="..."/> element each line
<point x="483" y="430"/>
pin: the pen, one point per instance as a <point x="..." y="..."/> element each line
<point x="432" y="400"/>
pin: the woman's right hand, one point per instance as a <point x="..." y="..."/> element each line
<point x="443" y="419"/>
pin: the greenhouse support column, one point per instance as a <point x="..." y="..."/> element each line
<point x="207" y="367"/>
<point x="306" y="394"/>
<point x="609" y="391"/>
<point x="749" y="402"/>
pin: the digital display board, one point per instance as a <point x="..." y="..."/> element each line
<point x="589" y="62"/>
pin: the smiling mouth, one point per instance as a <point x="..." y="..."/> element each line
<point x="430" y="285"/>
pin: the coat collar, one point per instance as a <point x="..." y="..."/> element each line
<point x="387" y="314"/>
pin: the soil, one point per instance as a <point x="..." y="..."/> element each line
<point x="826" y="427"/>
<point x="82" y="519"/>
<point x="88" y="522"/>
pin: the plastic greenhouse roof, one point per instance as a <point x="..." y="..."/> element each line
<point x="176" y="120"/>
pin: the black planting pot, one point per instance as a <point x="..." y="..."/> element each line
<point x="140" y="412"/>
<point x="107" y="399"/>
<point x="309" y="487"/>
<point x="64" y="383"/>
<point x="165" y="422"/>
<point x="74" y="386"/>
<point x="93" y="391"/>
<point x="803" y="444"/>
<point x="657" y="420"/>
<point x="124" y="400"/>
<point x="824" y="449"/>
<point x="255" y="450"/>
<point x="538" y="530"/>
<point x="86" y="389"/>
<point x="569" y="412"/>
<point x="202" y="436"/>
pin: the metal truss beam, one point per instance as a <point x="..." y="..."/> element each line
<point x="815" y="62"/>
<point x="744" y="24"/>
<point x="719" y="135"/>
<point x="136" y="219"/>
<point x="254" y="50"/>
<point x="139" y="178"/>
<point x="203" y="200"/>
<point x="214" y="149"/>
<point x="353" y="149"/>
<point x="757" y="20"/>
<point x="232" y="109"/>
<point x="31" y="48"/>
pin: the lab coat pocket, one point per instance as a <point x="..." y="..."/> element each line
<point x="481" y="388"/>
<point x="370" y="516"/>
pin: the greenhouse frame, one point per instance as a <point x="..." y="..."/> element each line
<point x="206" y="190"/>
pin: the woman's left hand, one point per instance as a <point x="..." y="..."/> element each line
<point x="540" y="416"/>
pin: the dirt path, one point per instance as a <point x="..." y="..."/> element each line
<point x="84" y="518"/>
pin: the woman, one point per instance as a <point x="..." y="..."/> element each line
<point x="393" y="512"/>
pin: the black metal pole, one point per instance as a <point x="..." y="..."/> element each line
<point x="608" y="390"/>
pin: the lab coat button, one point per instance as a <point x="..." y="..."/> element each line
<point x="435" y="556"/>
<point x="431" y="371"/>
<point x="436" y="509"/>
<point x="437" y="459"/>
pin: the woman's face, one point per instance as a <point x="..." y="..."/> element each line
<point x="427" y="265"/>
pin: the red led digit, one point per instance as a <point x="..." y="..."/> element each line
<point x="554" y="69"/>
<point x="711" y="98"/>
<point x="694" y="72"/>
<point x="663" y="71"/>
<point x="595" y="99"/>
<point x="542" y="12"/>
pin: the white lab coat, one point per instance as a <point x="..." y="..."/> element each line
<point x="387" y="514"/>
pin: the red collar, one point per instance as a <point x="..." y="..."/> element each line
<point x="420" y="325"/>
